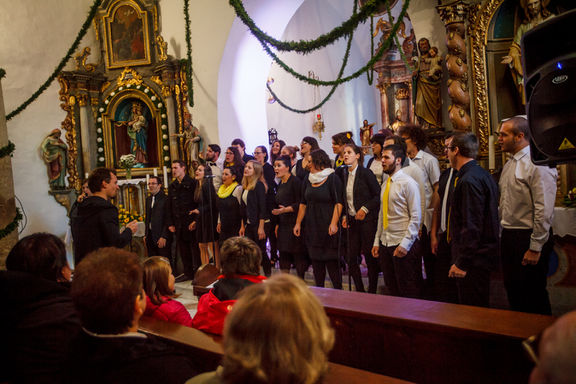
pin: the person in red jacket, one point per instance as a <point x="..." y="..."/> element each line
<point x="240" y="258"/>
<point x="159" y="288"/>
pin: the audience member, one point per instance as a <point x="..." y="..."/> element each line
<point x="108" y="294"/>
<point x="396" y="240"/>
<point x="158" y="237"/>
<point x="160" y="295"/>
<point x="319" y="214"/>
<point x="96" y="224"/>
<point x="241" y="259"/>
<point x="473" y="228"/>
<point x="276" y="333"/>
<point x="38" y="318"/>
<point x="527" y="197"/>
<point x="229" y="205"/>
<point x="241" y="147"/>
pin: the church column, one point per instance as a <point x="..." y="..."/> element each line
<point x="454" y="15"/>
<point x="383" y="87"/>
<point x="7" y="202"/>
<point x="170" y="92"/>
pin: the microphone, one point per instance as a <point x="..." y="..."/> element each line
<point x="209" y="176"/>
<point x="344" y="166"/>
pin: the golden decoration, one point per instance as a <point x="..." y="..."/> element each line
<point x="63" y="198"/>
<point x="129" y="77"/>
<point x="166" y="91"/>
<point x="94" y="101"/>
<point x="454" y="12"/>
<point x="157" y="80"/>
<point x="96" y="28"/>
<point x="402" y="94"/>
<point x="69" y="126"/>
<point x="162" y="48"/>
<point x="479" y="20"/>
<point x="81" y="61"/>
<point x="82" y="100"/>
<point x="183" y="84"/>
<point x="104" y="86"/>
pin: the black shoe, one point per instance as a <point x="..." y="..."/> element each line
<point x="181" y="278"/>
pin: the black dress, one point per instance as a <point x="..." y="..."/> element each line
<point x="207" y="220"/>
<point x="230" y="215"/>
<point x="289" y="194"/>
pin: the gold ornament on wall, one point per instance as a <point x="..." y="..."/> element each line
<point x="129" y="77"/>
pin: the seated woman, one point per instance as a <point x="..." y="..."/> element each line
<point x="277" y="333"/>
<point x="240" y="258"/>
<point x="159" y="288"/>
<point x="38" y="320"/>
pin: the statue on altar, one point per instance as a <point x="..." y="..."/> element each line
<point x="366" y="133"/>
<point x="54" y="153"/>
<point x="536" y="13"/>
<point x="136" y="128"/>
<point x="427" y="77"/>
<point x="397" y="123"/>
<point x="192" y="141"/>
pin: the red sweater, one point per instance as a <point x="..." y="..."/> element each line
<point x="216" y="304"/>
<point x="172" y="311"/>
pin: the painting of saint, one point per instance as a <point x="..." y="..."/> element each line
<point x="135" y="132"/>
<point x="128" y="40"/>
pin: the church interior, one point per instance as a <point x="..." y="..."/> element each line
<point x="201" y="68"/>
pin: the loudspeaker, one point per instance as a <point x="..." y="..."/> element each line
<point x="549" y="64"/>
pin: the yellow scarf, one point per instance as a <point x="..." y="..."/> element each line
<point x="225" y="191"/>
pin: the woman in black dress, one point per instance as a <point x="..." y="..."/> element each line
<point x="206" y="214"/>
<point x="261" y="155"/>
<point x="320" y="210"/>
<point x="288" y="200"/>
<point x="300" y="170"/>
<point x="228" y="203"/>
<point x="256" y="217"/>
<point x="362" y="201"/>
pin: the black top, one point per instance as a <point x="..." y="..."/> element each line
<point x="255" y="207"/>
<point x="246" y="158"/>
<point x="126" y="360"/>
<point x="180" y="203"/>
<point x="289" y="195"/>
<point x="365" y="193"/>
<point x="230" y="216"/>
<point x="208" y="219"/>
<point x="320" y="202"/>
<point x="301" y="173"/>
<point x="269" y="176"/>
<point x="37" y="324"/>
<point x="96" y="226"/>
<point x="474" y="227"/>
<point x="443" y="180"/>
<point x="155" y="220"/>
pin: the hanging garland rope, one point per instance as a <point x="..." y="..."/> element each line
<point x="63" y="62"/>
<point x="11" y="227"/>
<point x="369" y="73"/>
<point x="188" y="53"/>
<point x="306" y="46"/>
<point x="7" y="149"/>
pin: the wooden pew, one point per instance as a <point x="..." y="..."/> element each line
<point x="205" y="351"/>
<point x="429" y="342"/>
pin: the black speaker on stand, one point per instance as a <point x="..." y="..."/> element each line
<point x="549" y="64"/>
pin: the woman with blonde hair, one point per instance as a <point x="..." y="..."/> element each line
<point x="159" y="288"/>
<point x="256" y="219"/>
<point x="277" y="333"/>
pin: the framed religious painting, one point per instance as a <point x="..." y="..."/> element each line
<point x="127" y="35"/>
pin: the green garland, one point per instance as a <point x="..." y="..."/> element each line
<point x="7" y="149"/>
<point x="397" y="42"/>
<point x="188" y="54"/>
<point x="370" y="74"/>
<point x="63" y="62"/>
<point x="306" y="46"/>
<point x="2" y="73"/>
<point x="12" y="226"/>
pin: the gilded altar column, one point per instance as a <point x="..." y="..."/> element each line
<point x="383" y="87"/>
<point x="7" y="202"/>
<point x="453" y="15"/>
<point x="88" y="154"/>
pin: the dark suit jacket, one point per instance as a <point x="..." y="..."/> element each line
<point x="180" y="203"/>
<point x="366" y="191"/>
<point x="156" y="217"/>
<point x="255" y="208"/>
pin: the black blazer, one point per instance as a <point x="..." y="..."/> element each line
<point x="255" y="208"/>
<point x="366" y="191"/>
<point x="156" y="217"/>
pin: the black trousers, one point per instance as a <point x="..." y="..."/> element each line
<point x="189" y="254"/>
<point x="525" y="284"/>
<point x="403" y="275"/>
<point x="251" y="232"/>
<point x="429" y="263"/>
<point x="300" y="262"/>
<point x="474" y="288"/>
<point x="334" y="271"/>
<point x="444" y="288"/>
<point x="153" y="250"/>
<point x="360" y="238"/>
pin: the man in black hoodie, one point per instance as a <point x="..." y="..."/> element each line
<point x="96" y="223"/>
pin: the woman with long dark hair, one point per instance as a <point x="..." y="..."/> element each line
<point x="320" y="209"/>
<point x="233" y="159"/>
<point x="362" y="200"/>
<point x="301" y="169"/>
<point x="256" y="219"/>
<point x="229" y="205"/>
<point x="275" y="150"/>
<point x="261" y="155"/>
<point x="206" y="215"/>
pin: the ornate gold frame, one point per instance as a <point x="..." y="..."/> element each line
<point x="108" y="115"/>
<point x="480" y="16"/>
<point x="107" y="21"/>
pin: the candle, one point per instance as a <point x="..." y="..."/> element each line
<point x="491" y="154"/>
<point x="86" y="175"/>
<point x="147" y="178"/>
<point x="156" y="171"/>
<point x="165" y="175"/>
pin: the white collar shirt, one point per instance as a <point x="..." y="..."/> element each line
<point x="350" y="191"/>
<point x="429" y="164"/>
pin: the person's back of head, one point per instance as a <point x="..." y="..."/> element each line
<point x="240" y="256"/>
<point x="158" y="279"/>
<point x="277" y="332"/>
<point x="42" y="255"/>
<point x="107" y="284"/>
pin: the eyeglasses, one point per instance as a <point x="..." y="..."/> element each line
<point x="531" y="346"/>
<point x="449" y="147"/>
<point x="229" y="153"/>
<point x="257" y="153"/>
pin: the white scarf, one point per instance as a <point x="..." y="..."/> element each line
<point x="318" y="177"/>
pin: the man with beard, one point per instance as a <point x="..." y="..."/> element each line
<point x="212" y="155"/>
<point x="396" y="240"/>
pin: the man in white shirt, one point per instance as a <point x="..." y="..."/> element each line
<point x="396" y="240"/>
<point x="212" y="157"/>
<point x="527" y="195"/>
